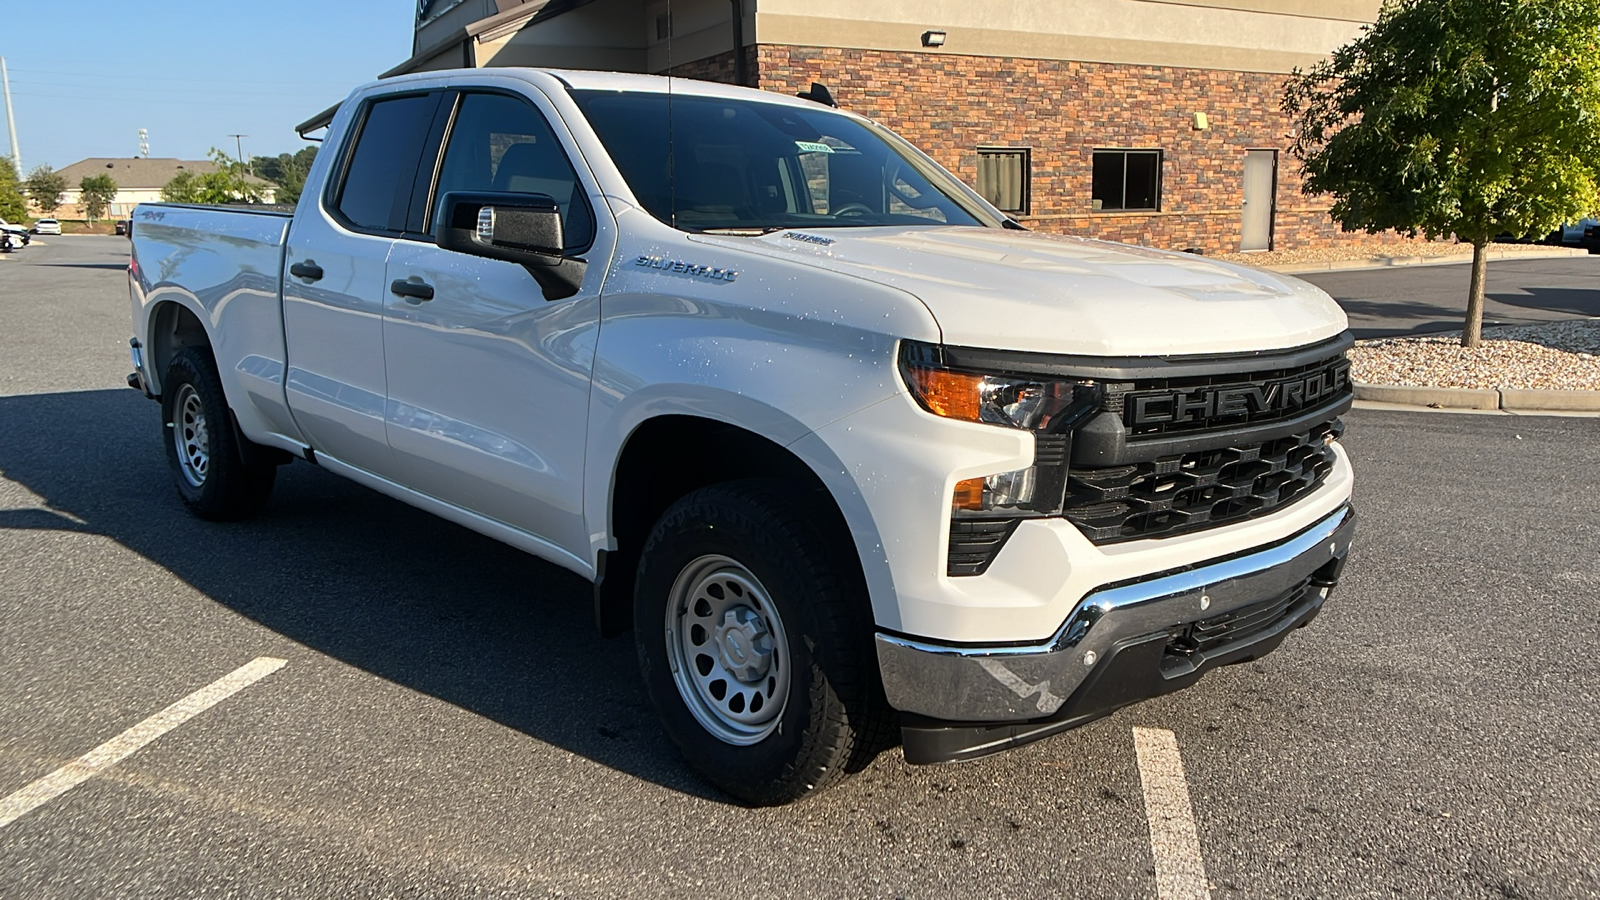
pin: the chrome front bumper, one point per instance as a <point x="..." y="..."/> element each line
<point x="1002" y="684"/>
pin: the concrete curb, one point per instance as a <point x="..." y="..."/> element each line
<point x="1386" y="262"/>
<point x="1509" y="399"/>
<point x="1564" y="401"/>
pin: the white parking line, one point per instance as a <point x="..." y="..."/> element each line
<point x="1180" y="872"/>
<point x="125" y="744"/>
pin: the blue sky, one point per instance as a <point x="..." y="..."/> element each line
<point x="86" y="75"/>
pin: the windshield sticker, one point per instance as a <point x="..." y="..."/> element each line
<point x="810" y="147"/>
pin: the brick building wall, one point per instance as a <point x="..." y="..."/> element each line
<point x="951" y="105"/>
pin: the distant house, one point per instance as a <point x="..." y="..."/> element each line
<point x="139" y="180"/>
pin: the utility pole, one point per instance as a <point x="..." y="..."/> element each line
<point x="238" y="145"/>
<point x="11" y="120"/>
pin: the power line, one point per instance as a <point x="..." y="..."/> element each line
<point x="142" y="78"/>
<point x="89" y="91"/>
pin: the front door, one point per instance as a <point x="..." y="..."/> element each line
<point x="1260" y="197"/>
<point x="488" y="382"/>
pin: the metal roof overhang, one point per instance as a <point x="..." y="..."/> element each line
<point x="320" y="120"/>
<point x="514" y="19"/>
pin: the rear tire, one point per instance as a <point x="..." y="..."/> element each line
<point x="203" y="450"/>
<point x="755" y="644"/>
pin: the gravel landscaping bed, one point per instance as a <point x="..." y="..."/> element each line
<point x="1339" y="253"/>
<point x="1554" y="356"/>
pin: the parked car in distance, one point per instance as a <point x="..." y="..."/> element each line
<point x="1584" y="233"/>
<point x="19" y="234"/>
<point x="123" y="226"/>
<point x="47" y="226"/>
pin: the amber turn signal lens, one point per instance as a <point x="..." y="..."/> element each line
<point x="969" y="495"/>
<point x="953" y="395"/>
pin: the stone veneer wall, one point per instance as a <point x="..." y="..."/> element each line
<point x="951" y="105"/>
<point x="719" y="68"/>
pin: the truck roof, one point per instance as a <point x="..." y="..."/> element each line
<point x="589" y="80"/>
<point x="573" y="79"/>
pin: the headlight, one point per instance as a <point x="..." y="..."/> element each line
<point x="1029" y="403"/>
<point x="1048" y="406"/>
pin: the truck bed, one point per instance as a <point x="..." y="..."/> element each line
<point x="211" y="260"/>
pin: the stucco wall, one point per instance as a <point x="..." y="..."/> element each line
<point x="1274" y="37"/>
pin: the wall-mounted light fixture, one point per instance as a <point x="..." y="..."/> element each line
<point x="933" y="39"/>
<point x="1200" y="122"/>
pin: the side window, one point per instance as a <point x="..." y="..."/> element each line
<point x="504" y="144"/>
<point x="378" y="178"/>
<point x="1126" y="179"/>
<point x="1003" y="178"/>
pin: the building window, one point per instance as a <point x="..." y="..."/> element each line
<point x="1127" y="179"/>
<point x="1003" y="176"/>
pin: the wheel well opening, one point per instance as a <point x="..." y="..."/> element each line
<point x="670" y="456"/>
<point x="172" y="328"/>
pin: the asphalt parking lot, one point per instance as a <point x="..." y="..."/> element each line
<point x="445" y="722"/>
<point x="1423" y="299"/>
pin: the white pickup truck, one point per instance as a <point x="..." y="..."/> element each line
<point x="855" y="457"/>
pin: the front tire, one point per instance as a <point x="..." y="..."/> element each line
<point x="755" y="644"/>
<point x="203" y="450"/>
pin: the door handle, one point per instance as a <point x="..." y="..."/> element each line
<point x="309" y="270"/>
<point x="413" y="291"/>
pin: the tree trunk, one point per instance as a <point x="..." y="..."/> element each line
<point x="1473" y="333"/>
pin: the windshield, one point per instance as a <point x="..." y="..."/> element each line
<point x="747" y="165"/>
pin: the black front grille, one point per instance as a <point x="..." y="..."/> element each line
<point x="975" y="543"/>
<point x="1203" y="489"/>
<point x="1156" y="407"/>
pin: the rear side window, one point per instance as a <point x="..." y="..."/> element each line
<point x="503" y="144"/>
<point x="377" y="182"/>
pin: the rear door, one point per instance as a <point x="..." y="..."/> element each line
<point x="333" y="283"/>
<point x="489" y="381"/>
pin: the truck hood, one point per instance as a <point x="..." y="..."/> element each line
<point x="1055" y="294"/>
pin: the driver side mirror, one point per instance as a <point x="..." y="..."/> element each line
<point x="519" y="228"/>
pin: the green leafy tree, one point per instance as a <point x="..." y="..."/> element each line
<point x="286" y="170"/>
<point x="12" y="207"/>
<point x="45" y="187"/>
<point x="183" y="188"/>
<point x="97" y="191"/>
<point x="229" y="182"/>
<point x="1464" y="117"/>
<point x="231" y="177"/>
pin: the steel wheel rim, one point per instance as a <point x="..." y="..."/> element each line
<point x="727" y="650"/>
<point x="191" y="436"/>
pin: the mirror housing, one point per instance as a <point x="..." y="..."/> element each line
<point x="519" y="228"/>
